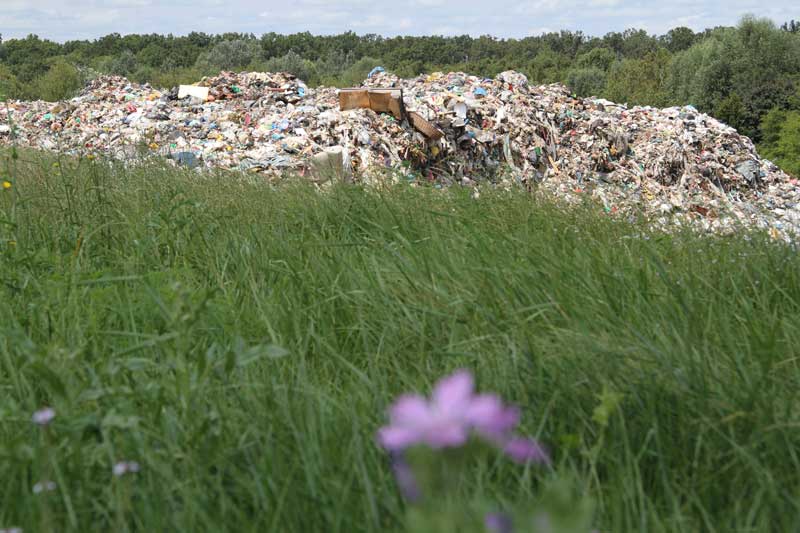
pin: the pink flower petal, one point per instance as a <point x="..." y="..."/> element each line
<point x="398" y="438"/>
<point x="452" y="395"/>
<point x="410" y="409"/>
<point x="490" y="417"/>
<point x="449" y="434"/>
<point x="526" y="451"/>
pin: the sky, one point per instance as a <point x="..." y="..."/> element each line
<point x="63" y="20"/>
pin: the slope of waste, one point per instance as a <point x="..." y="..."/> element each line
<point x="677" y="165"/>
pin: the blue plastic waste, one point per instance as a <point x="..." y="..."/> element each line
<point x="185" y="158"/>
<point x="375" y="71"/>
<point x="480" y="91"/>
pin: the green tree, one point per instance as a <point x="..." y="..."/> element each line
<point x="679" y="39"/>
<point x="9" y="85"/>
<point x="330" y="68"/>
<point x="123" y="64"/>
<point x="358" y="71"/>
<point x="230" y="55"/>
<point x="780" y="131"/>
<point x="61" y="81"/>
<point x="640" y="81"/>
<point x="548" y="66"/>
<point x="588" y="81"/>
<point x="771" y="127"/>
<point x="755" y="60"/>
<point x="793" y="26"/>
<point x="731" y="110"/>
<point x="701" y="75"/>
<point x="152" y="55"/>
<point x="601" y="58"/>
<point x="293" y="63"/>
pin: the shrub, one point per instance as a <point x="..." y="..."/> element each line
<point x="61" y="81"/>
<point x="588" y="81"/>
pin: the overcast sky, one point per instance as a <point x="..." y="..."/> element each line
<point x="86" y="19"/>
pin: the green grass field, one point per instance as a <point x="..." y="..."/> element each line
<point x="242" y="341"/>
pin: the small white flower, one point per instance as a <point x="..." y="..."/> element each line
<point x="44" y="486"/>
<point x="126" y="467"/>
<point x="44" y="416"/>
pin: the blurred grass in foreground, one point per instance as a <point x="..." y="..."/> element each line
<point x="241" y="342"/>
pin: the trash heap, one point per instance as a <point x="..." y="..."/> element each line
<point x="677" y="165"/>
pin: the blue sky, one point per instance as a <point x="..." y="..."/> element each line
<point x="81" y="19"/>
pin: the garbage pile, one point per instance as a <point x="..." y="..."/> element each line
<point x="677" y="165"/>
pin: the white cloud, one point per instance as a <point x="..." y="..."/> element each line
<point x="76" y="19"/>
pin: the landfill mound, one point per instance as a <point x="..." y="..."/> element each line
<point x="677" y="165"/>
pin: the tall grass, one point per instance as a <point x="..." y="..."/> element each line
<point x="241" y="342"/>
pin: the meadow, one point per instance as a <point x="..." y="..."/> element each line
<point x="241" y="342"/>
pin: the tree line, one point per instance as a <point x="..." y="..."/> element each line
<point x="747" y="75"/>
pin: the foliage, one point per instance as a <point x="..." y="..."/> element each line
<point x="292" y="63"/>
<point x="756" y="62"/>
<point x="124" y="64"/>
<point x="599" y="58"/>
<point x="587" y="81"/>
<point x="548" y="65"/>
<point x="679" y="39"/>
<point x="731" y="110"/>
<point x="168" y="78"/>
<point x="356" y="73"/>
<point x="229" y="55"/>
<point x="9" y="85"/>
<point x="793" y="26"/>
<point x="61" y="81"/>
<point x="780" y="132"/>
<point x="640" y="81"/>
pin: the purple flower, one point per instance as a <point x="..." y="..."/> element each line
<point x="524" y="450"/>
<point x="43" y="417"/>
<point x="125" y="467"/>
<point x="498" y="523"/>
<point x="11" y="530"/>
<point x="405" y="479"/>
<point x="491" y="418"/>
<point x="440" y="423"/>
<point x="453" y="412"/>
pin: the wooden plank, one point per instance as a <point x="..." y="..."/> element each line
<point x="353" y="99"/>
<point x="379" y="100"/>
<point x="385" y="102"/>
<point x="423" y="126"/>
